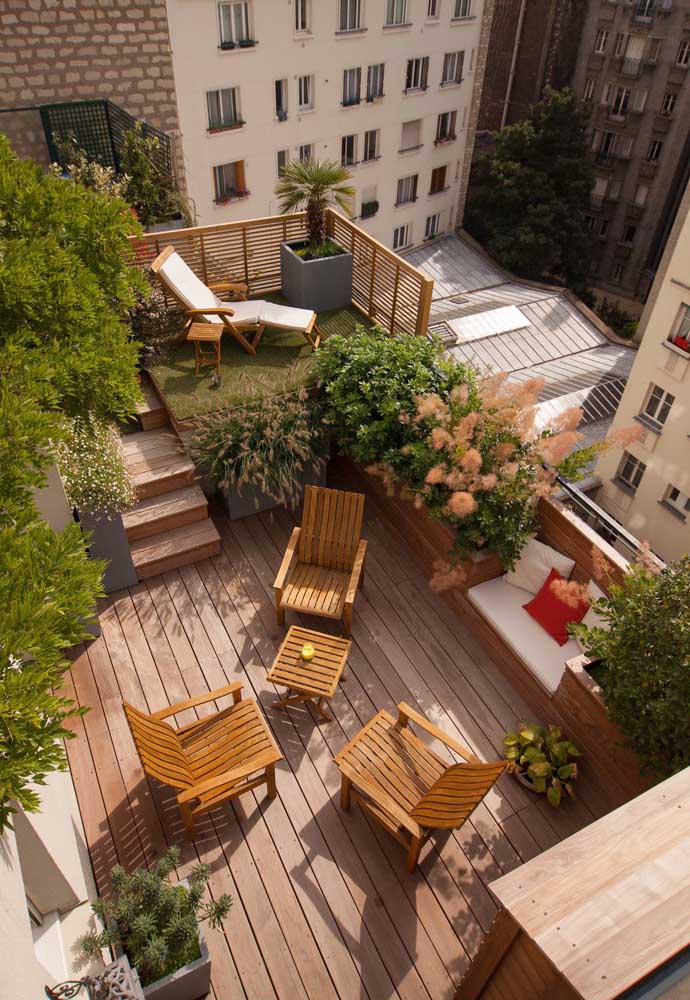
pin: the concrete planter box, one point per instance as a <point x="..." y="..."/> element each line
<point x="251" y="500"/>
<point x="315" y="284"/>
<point x="109" y="541"/>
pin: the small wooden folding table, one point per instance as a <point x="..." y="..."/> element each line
<point x="314" y="680"/>
<point x="201" y="334"/>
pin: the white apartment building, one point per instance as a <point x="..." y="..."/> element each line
<point x="383" y="86"/>
<point x="647" y="489"/>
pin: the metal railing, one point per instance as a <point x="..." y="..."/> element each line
<point x="599" y="520"/>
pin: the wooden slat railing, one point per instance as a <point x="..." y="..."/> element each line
<point x="386" y="288"/>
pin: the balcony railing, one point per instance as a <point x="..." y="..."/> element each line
<point x="599" y="520"/>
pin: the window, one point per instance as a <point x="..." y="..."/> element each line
<point x="281" y="100"/>
<point x="613" y="191"/>
<point x="438" y="180"/>
<point x="305" y="90"/>
<point x="657" y="405"/>
<point x="683" y="54"/>
<point x="352" y="84"/>
<point x="445" y="126"/>
<point x="283" y="158"/>
<point x="681" y="335"/>
<point x="589" y="221"/>
<point x="301" y="15"/>
<point x="407" y="190"/>
<point x="375" y="81"/>
<point x="223" y="108"/>
<point x="396" y="12"/>
<point x="401" y="237"/>
<point x="617" y="273"/>
<point x="229" y="182"/>
<point x="639" y="100"/>
<point x="348" y="147"/>
<point x="621" y="99"/>
<point x="234" y="23"/>
<point x="370" y="205"/>
<point x="603" y="228"/>
<point x="371" y="144"/>
<point x="411" y="136"/>
<point x="641" y="192"/>
<point x="603" y="142"/>
<point x="306" y="152"/>
<point x="654" y="151"/>
<point x="600" y="41"/>
<point x="462" y="8"/>
<point x="433" y="8"/>
<point x="350" y="15"/>
<point x="588" y="92"/>
<point x="668" y="104"/>
<point x="643" y="11"/>
<point x="629" y="235"/>
<point x="678" y="501"/>
<point x="432" y="225"/>
<point x="630" y="471"/>
<point x="417" y="74"/>
<point x="452" y="68"/>
<point x="651" y="49"/>
<point x="621" y="45"/>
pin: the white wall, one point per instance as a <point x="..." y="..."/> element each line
<point x="200" y="65"/>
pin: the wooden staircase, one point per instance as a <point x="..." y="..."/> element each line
<point x="169" y="526"/>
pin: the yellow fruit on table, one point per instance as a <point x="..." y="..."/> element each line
<point x="308" y="651"/>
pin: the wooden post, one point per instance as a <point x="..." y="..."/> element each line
<point x="424" y="307"/>
<point x="203" y="258"/>
<point x="395" y="298"/>
<point x="371" y="284"/>
<point x="244" y="254"/>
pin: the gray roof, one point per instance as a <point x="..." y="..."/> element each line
<point x="542" y="335"/>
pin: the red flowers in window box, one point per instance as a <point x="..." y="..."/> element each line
<point x="682" y="343"/>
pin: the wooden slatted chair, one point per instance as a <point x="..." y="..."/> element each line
<point x="405" y="785"/>
<point x="209" y="760"/>
<point x="323" y="565"/>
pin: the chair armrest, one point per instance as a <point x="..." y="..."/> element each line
<point x="230" y="777"/>
<point x="290" y="553"/>
<point x="211" y="311"/>
<point x="407" y="714"/>
<point x="356" y="571"/>
<point x="381" y="798"/>
<point x="230" y="286"/>
<point x="235" y="689"/>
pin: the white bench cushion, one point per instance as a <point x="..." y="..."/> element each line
<point x="502" y="605"/>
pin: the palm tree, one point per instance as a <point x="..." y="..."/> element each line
<point x="315" y="184"/>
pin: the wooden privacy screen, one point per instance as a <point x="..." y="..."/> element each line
<point x="384" y="286"/>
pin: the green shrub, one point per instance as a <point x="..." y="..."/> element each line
<point x="148" y="190"/>
<point x="93" y="468"/>
<point x="155" y="922"/>
<point x="647" y="655"/>
<point x="156" y="325"/>
<point x="541" y="756"/>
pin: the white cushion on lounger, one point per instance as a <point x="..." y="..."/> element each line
<point x="193" y="292"/>
<point x="502" y="605"/>
<point x="286" y="317"/>
<point x="244" y="312"/>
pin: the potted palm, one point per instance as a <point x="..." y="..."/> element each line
<point x="316" y="273"/>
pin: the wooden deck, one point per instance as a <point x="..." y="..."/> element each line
<point x="322" y="905"/>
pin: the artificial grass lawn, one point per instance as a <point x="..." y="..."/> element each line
<point x="283" y="363"/>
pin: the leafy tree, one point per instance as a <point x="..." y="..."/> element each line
<point x="148" y="189"/>
<point x="314" y="185"/>
<point x="528" y="195"/>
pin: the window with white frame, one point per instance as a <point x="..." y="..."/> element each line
<point x="462" y="8"/>
<point x="641" y="192"/>
<point x="600" y="41"/>
<point x="613" y="192"/>
<point x="396" y="12"/>
<point x="630" y="471"/>
<point x="352" y="86"/>
<point x="657" y="405"/>
<point x="599" y="190"/>
<point x="639" y="99"/>
<point x="348" y="150"/>
<point x="620" y="48"/>
<point x="350" y="15"/>
<point x="375" y="81"/>
<point x="620" y="102"/>
<point x="589" y="221"/>
<point x="668" y="104"/>
<point x="445" y="126"/>
<point x="417" y="74"/>
<point x="654" y="150"/>
<point x="233" y="19"/>
<point x="229" y="181"/>
<point x="617" y="273"/>
<point x="371" y="144"/>
<point x="282" y="159"/>
<point x="680" y="334"/>
<point x="603" y="228"/>
<point x="305" y="92"/>
<point x="438" y="180"/>
<point x="281" y="92"/>
<point x="223" y="107"/>
<point x="407" y="190"/>
<point x="401" y="237"/>
<point x="677" y="501"/>
<point x="302" y="12"/>
<point x="588" y="92"/>
<point x="432" y="225"/>
<point x="628" y="236"/>
<point x="650" y="52"/>
<point x="306" y="152"/>
<point x="452" y="68"/>
<point x="411" y="135"/>
<point x="433" y="8"/>
<point x="683" y="54"/>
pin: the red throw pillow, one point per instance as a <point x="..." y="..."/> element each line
<point x="553" y="614"/>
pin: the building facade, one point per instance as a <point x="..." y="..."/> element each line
<point x="647" y="489"/>
<point x="387" y="87"/>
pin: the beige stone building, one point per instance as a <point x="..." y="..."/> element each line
<point x="648" y="488"/>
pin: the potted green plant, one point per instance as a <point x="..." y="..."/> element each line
<point x="316" y="273"/>
<point x="543" y="759"/>
<point x="263" y="454"/>
<point x="156" y="923"/>
<point x="99" y="488"/>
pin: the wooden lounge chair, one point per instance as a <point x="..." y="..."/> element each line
<point x="405" y="785"/>
<point x="323" y="564"/>
<point x="201" y="304"/>
<point x="209" y="760"/>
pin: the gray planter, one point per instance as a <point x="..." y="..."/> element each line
<point x="251" y="500"/>
<point x="315" y="284"/>
<point x="190" y="982"/>
<point x="109" y="541"/>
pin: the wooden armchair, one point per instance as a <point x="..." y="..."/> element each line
<point x="405" y="785"/>
<point x="209" y="760"/>
<point x="323" y="564"/>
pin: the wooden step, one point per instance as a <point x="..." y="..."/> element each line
<point x="177" y="547"/>
<point x="151" y="412"/>
<point x="165" y="511"/>
<point x="157" y="462"/>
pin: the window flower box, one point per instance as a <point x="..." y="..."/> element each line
<point x="231" y="126"/>
<point x="226" y="46"/>
<point x="444" y="140"/>
<point x="247" y="43"/>
<point x="235" y="196"/>
<point x="682" y="343"/>
<point x="369" y="209"/>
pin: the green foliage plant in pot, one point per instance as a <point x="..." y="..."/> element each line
<point x="542" y="759"/>
<point x="156" y="923"/>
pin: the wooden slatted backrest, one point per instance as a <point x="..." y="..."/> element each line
<point x="331" y="527"/>
<point x="458" y="791"/>
<point x="159" y="749"/>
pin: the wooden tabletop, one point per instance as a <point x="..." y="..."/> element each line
<point x="205" y="331"/>
<point x="319" y="676"/>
